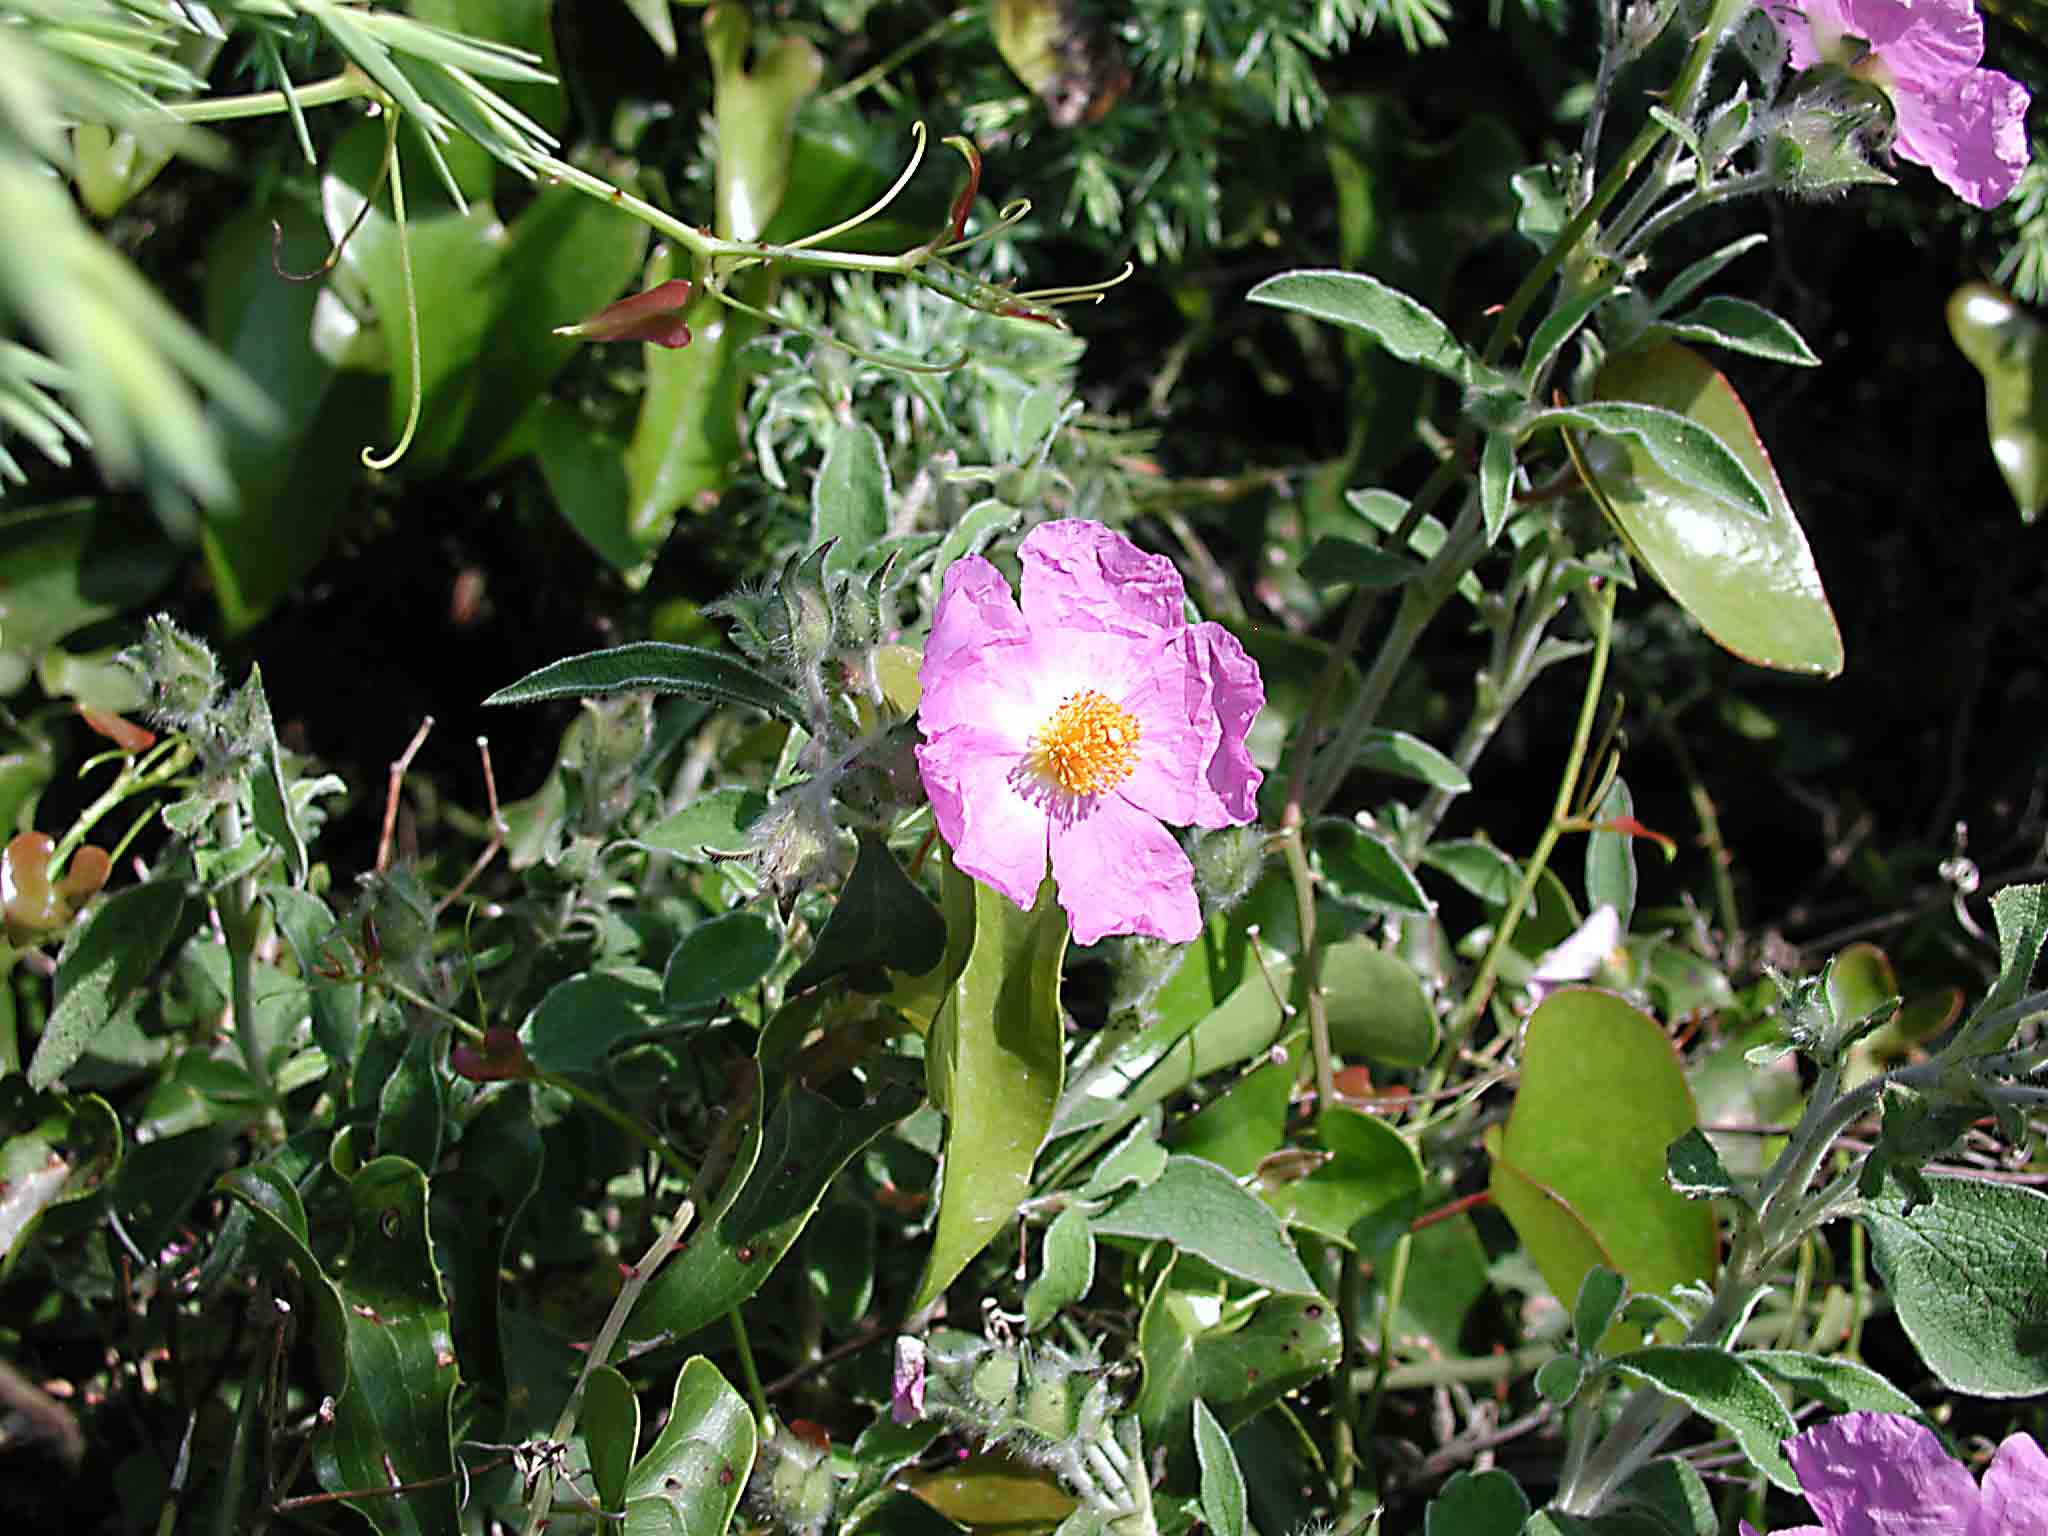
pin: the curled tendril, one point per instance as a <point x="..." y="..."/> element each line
<point x="334" y="251"/>
<point x="916" y="159"/>
<point x="371" y="459"/>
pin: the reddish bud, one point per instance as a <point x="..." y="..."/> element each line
<point x="125" y="734"/>
<point x="500" y="1059"/>
<point x="655" y="316"/>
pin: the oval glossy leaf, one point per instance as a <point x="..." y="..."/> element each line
<point x="1403" y="326"/>
<point x="581" y="1019"/>
<point x="1964" y="1272"/>
<point x="1377" y="1008"/>
<point x="881" y="921"/>
<point x="1477" y="1504"/>
<point x="994" y="1061"/>
<point x="1751" y="583"/>
<point x="1365" y="1194"/>
<point x="654" y="666"/>
<point x="1602" y="1096"/>
<point x="1202" y="1210"/>
<point x="1066" y="1268"/>
<point x="2005" y="344"/>
<point x="699" y="1463"/>
<point x="712" y="823"/>
<point x="609" y="1420"/>
<point x="718" y="957"/>
<point x="1335" y="561"/>
<point x="1479" y="868"/>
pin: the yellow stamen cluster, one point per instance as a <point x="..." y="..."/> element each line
<point x="1088" y="745"/>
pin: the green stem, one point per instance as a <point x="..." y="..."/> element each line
<point x="1390" y="1303"/>
<point x="236" y="905"/>
<point x="346" y="86"/>
<point x="10" y="1040"/>
<point x="623" y="1121"/>
<point x="154" y="769"/>
<point x="1482" y="984"/>
<point x="1296" y="853"/>
<point x="764" y="1416"/>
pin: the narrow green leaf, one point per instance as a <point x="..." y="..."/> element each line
<point x="1740" y="326"/>
<point x="1845" y="1385"/>
<point x="1410" y="757"/>
<point x="1202" y="1210"/>
<point x="1599" y="1299"/>
<point x="1611" y="856"/>
<point x="994" y="1062"/>
<point x="658" y="667"/>
<point x="1223" y="1495"/>
<point x="1559" y="326"/>
<point x="1963" y="1271"/>
<point x="109" y="953"/>
<point x="773" y="1190"/>
<point x="1363" y="869"/>
<point x="1684" y="449"/>
<point x="1335" y="561"/>
<point x="1496" y="482"/>
<point x="1724" y="1389"/>
<point x="1403" y="326"/>
<point x="1695" y="276"/>
<point x="609" y="1421"/>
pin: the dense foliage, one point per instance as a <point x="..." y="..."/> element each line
<point x="574" y="957"/>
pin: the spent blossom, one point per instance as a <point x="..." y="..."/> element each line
<point x="1881" y="1474"/>
<point x="1967" y="125"/>
<point x="1074" y="726"/>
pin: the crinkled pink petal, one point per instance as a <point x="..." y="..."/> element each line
<point x="1194" y="708"/>
<point x="2015" y="1496"/>
<point x="1079" y="575"/>
<point x="1881" y="1474"/>
<point x="1923" y="43"/>
<point x="1790" y="1530"/>
<point x="976" y="611"/>
<point x="996" y="835"/>
<point x="1119" y="871"/>
<point x="1972" y="133"/>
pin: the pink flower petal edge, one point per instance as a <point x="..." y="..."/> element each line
<point x="1099" y="620"/>
<point x="1883" y="1474"/>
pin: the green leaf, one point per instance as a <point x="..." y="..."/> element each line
<point x="839" y="1263"/>
<point x="1335" y="561"/>
<point x="1611" y="855"/>
<point x="1694" y="1168"/>
<point x="1360" y="303"/>
<point x="1496" y="482"/>
<point x="1066" y="1268"/>
<point x="1964" y="1273"/>
<point x="1687" y="451"/>
<point x="994" y="1061"/>
<point x="686" y="438"/>
<point x="1559" y="326"/>
<point x="716" y="822"/>
<point x="1724" y="1389"/>
<point x="1223" y="1496"/>
<point x="1740" y="326"/>
<point x="1751" y="584"/>
<point x="110" y="952"/>
<point x="696" y="1471"/>
<point x="1477" y="1504"/>
<point x="609" y="1421"/>
<point x="1695" y="276"/>
<point x="658" y="667"/>
<point x="581" y="1019"/>
<point x="1602" y="1096"/>
<point x="1237" y="1362"/>
<point x="1410" y="757"/>
<point x="1599" y="1299"/>
<point x="882" y="920"/>
<point x="55" y="1149"/>
<point x="1376" y="1006"/>
<point x="583" y="463"/>
<point x="719" y="957"/>
<point x="1670" y="1491"/>
<point x="2021" y="915"/>
<point x="1203" y="1211"/>
<point x="1845" y="1385"/>
<point x="2004" y="343"/>
<point x="1366" y="1194"/>
<point x="850" y="497"/>
<point x="772" y="1191"/>
<point x="386" y="1353"/>
<point x="1479" y="868"/>
<point x="1363" y="869"/>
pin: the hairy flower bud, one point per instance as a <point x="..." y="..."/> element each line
<point x="179" y="673"/>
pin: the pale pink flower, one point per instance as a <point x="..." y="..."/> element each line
<point x="1581" y="955"/>
<point x="1965" y="124"/>
<point x="1881" y="1474"/>
<point x="1072" y="727"/>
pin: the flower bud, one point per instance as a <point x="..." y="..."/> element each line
<point x="807" y="611"/>
<point x="1824" y="142"/>
<point x="179" y="673"/>
<point x="1227" y="864"/>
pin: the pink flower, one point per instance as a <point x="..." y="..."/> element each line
<point x="1965" y="124"/>
<point x="1881" y="1474"/>
<point x="1074" y="727"/>
<point x="1581" y="955"/>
